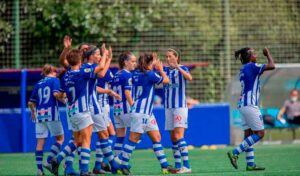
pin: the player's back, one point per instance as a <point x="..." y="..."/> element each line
<point x="144" y="90"/>
<point x="104" y="83"/>
<point x="76" y="86"/>
<point x="46" y="103"/>
<point x="122" y="81"/>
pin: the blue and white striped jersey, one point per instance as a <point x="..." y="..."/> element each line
<point x="46" y="103"/>
<point x="76" y="85"/>
<point x="144" y="91"/>
<point x="122" y="81"/>
<point x="105" y="84"/>
<point x="175" y="91"/>
<point x="250" y="83"/>
<point x="93" y="100"/>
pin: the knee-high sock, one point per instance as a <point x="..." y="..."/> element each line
<point x="118" y="145"/>
<point x="126" y="153"/>
<point x="85" y="159"/>
<point x="70" y="158"/>
<point x="176" y="155"/>
<point x="250" y="156"/>
<point x="160" y="154"/>
<point x="70" y="148"/>
<point x="248" y="142"/>
<point x="99" y="156"/>
<point x="39" y="159"/>
<point x="55" y="149"/>
<point x="184" y="152"/>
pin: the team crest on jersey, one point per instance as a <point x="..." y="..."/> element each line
<point x="87" y="70"/>
<point x="258" y="65"/>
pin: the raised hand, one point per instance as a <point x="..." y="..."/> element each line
<point x="266" y="51"/>
<point x="67" y="41"/>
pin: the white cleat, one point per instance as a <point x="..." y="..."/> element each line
<point x="184" y="170"/>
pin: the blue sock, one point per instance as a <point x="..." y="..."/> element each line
<point x="250" y="156"/>
<point x="112" y="139"/>
<point x="69" y="161"/>
<point x="85" y="159"/>
<point x="184" y="152"/>
<point x="55" y="149"/>
<point x="70" y="148"/>
<point x="126" y="153"/>
<point x="70" y="158"/>
<point x="79" y="156"/>
<point x="176" y="155"/>
<point x="99" y="156"/>
<point x="248" y="142"/>
<point x="160" y="154"/>
<point x="118" y="145"/>
<point x="39" y="159"/>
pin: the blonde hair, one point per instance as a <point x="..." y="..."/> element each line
<point x="47" y="69"/>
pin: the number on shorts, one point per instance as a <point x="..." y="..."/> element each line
<point x="145" y="121"/>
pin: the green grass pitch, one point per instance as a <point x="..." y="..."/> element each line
<point x="278" y="160"/>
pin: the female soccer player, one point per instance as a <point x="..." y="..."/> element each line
<point x="100" y="124"/>
<point x="75" y="84"/>
<point x="122" y="85"/>
<point x="176" y="110"/>
<point x="248" y="105"/>
<point x="44" y="111"/>
<point x="142" y="116"/>
<point x="103" y="90"/>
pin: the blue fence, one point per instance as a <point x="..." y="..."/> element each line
<point x="208" y="124"/>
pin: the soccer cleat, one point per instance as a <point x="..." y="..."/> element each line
<point x="99" y="171"/>
<point x="40" y="173"/>
<point x="254" y="168"/>
<point x="184" y="170"/>
<point x="87" y="174"/>
<point x="125" y="171"/>
<point x="233" y="159"/>
<point x="106" y="168"/>
<point x="47" y="166"/>
<point x="70" y="171"/>
<point x="54" y="166"/>
<point x="172" y="169"/>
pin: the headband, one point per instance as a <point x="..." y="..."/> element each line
<point x="171" y="49"/>
<point x="88" y="54"/>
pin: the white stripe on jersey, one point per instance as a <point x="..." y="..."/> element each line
<point x="83" y="103"/>
<point x="170" y="90"/>
<point x="177" y="89"/>
<point x="254" y="91"/>
<point x="149" y="101"/>
<point x="183" y="91"/>
<point x="143" y="104"/>
<point x="249" y="97"/>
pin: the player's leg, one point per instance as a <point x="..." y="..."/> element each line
<point x="120" y="133"/>
<point x="126" y="153"/>
<point x="104" y="146"/>
<point x="180" y="118"/>
<point x="39" y="155"/>
<point x="41" y="133"/>
<point x="86" y="134"/>
<point x="169" y="126"/>
<point x="251" y="166"/>
<point x="69" y="169"/>
<point x="56" y="129"/>
<point x="251" y="118"/>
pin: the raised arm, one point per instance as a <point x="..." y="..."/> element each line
<point x="185" y="74"/>
<point x="107" y="58"/>
<point x="270" y="65"/>
<point x="67" y="47"/>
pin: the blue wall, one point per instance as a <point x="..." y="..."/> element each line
<point x="208" y="124"/>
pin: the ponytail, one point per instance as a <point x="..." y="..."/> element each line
<point x="144" y="61"/>
<point x="243" y="54"/>
<point x="47" y="69"/>
<point x="124" y="57"/>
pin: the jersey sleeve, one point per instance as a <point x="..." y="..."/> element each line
<point x="127" y="82"/>
<point x="155" y="78"/>
<point x="109" y="76"/>
<point x="258" y="69"/>
<point x="56" y="85"/>
<point x="34" y="94"/>
<point x="185" y="68"/>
